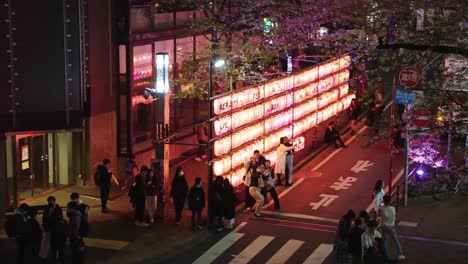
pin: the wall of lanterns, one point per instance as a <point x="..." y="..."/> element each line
<point x="257" y="117"/>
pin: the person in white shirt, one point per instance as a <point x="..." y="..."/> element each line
<point x="281" y="151"/>
<point x="387" y="226"/>
<point x="378" y="196"/>
<point x="367" y="239"/>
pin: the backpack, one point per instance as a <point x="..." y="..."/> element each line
<point x="84" y="226"/>
<point x="15" y="225"/>
<point x="97" y="178"/>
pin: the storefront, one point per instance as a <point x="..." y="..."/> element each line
<point x="38" y="162"/>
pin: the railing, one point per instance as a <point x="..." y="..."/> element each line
<point x="397" y="197"/>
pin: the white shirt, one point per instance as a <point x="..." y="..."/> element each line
<point x="367" y="239"/>
<point x="387" y="217"/>
<point x="378" y="199"/>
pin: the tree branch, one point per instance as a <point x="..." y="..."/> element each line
<point x="411" y="46"/>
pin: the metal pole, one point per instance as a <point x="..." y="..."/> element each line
<point x="392" y="117"/>
<point x="406" y="168"/>
<point x="210" y="135"/>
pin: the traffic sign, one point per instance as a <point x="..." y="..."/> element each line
<point x="404" y="97"/>
<point x="421" y="117"/>
<point x="409" y="77"/>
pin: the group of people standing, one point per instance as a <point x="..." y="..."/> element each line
<point x="363" y="239"/>
<point x="47" y="242"/>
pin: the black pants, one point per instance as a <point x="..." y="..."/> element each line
<point x="274" y="195"/>
<point x="196" y="217"/>
<point x="249" y="200"/>
<point x="178" y="206"/>
<point x="77" y="250"/>
<point x="104" y="196"/>
<point x="140" y="210"/>
<point x="57" y="249"/>
<point x="338" y="139"/>
<point x="20" y="250"/>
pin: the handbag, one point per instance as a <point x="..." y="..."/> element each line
<point x="44" y="251"/>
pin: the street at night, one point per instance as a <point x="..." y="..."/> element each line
<point x="233" y="131"/>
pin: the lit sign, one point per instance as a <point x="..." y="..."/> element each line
<point x="162" y="72"/>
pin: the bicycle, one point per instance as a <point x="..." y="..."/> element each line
<point x="450" y="182"/>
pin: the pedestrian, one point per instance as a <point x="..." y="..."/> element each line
<point x="196" y="202"/>
<point x="179" y="189"/>
<point x="289" y="162"/>
<point x="255" y="190"/>
<point x="202" y="137"/>
<point x="342" y="237"/>
<point x="270" y="184"/>
<point x="376" y="256"/>
<point x="19" y="230"/>
<point x="353" y="113"/>
<point x="77" y="245"/>
<point x="138" y="196"/>
<point x="217" y="198"/>
<point x="84" y="209"/>
<point x="354" y="241"/>
<point x="281" y="152"/>
<point x="387" y="227"/>
<point x="128" y="170"/>
<point x="367" y="241"/>
<point x="378" y="197"/>
<point x="376" y="110"/>
<point x="365" y="217"/>
<point x="259" y="158"/>
<point x="34" y="237"/>
<point x="229" y="205"/>
<point x="151" y="192"/>
<point x="103" y="178"/>
<point x="250" y="167"/>
<point x="332" y="136"/>
<point x="55" y="229"/>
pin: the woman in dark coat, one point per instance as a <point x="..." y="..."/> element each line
<point x="217" y="194"/>
<point x="179" y="190"/>
<point x="229" y="204"/>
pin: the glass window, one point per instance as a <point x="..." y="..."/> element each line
<point x="184" y="49"/>
<point x="166" y="46"/>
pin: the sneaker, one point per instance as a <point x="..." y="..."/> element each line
<point x="401" y="257"/>
<point x="220" y="229"/>
<point x="258" y="215"/>
<point x="141" y="224"/>
<point x="247" y="210"/>
<point x="198" y="159"/>
<point x="204" y="157"/>
<point x="151" y="221"/>
<point x="278" y="210"/>
<point x="199" y="227"/>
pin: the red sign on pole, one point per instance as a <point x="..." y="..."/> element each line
<point x="409" y="77"/>
<point x="421" y="117"/>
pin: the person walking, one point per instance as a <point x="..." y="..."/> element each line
<point x="138" y="196"/>
<point x="217" y="198"/>
<point x="202" y="137"/>
<point x="354" y="241"/>
<point x="376" y="255"/>
<point x="270" y="184"/>
<point x="378" y="197"/>
<point x="34" y="237"/>
<point x="250" y="167"/>
<point x="179" y="189"/>
<point x="103" y="179"/>
<point x="340" y="247"/>
<point x="280" y="167"/>
<point x="289" y="162"/>
<point x="353" y="114"/>
<point x="77" y="245"/>
<point x="19" y="231"/>
<point x="151" y="192"/>
<point x="367" y="241"/>
<point x="255" y="190"/>
<point x="387" y="227"/>
<point x="196" y="202"/>
<point x="229" y="205"/>
<point x="55" y="229"/>
<point x="332" y="136"/>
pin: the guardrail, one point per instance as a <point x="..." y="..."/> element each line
<point x="397" y="197"/>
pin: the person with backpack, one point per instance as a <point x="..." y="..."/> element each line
<point x="34" y="237"/>
<point x="84" y="209"/>
<point x="16" y="227"/>
<point x="137" y="195"/>
<point x="77" y="245"/>
<point x="151" y="189"/>
<point x="196" y="202"/>
<point x="179" y="189"/>
<point x="103" y="179"/>
<point x="55" y="229"/>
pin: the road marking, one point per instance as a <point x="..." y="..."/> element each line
<point x="408" y="224"/>
<point x="319" y="254"/>
<point x="217" y="249"/>
<point x="252" y="250"/>
<point x="394" y="181"/>
<point x="326" y="200"/>
<point x="285" y="252"/>
<point x="239" y="227"/>
<point x="302" y="216"/>
<point x="447" y="242"/>
<point x="343" y="183"/>
<point x="283" y="193"/>
<point x="361" y="165"/>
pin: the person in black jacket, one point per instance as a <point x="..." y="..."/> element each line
<point x="332" y="136"/>
<point x="77" y="245"/>
<point x="55" y="227"/>
<point x="34" y="237"/>
<point x="196" y="202"/>
<point x="138" y="194"/>
<point x="354" y="241"/>
<point x="217" y="198"/>
<point x="179" y="189"/>
<point x="103" y="180"/>
<point x="151" y="190"/>
<point x="229" y="204"/>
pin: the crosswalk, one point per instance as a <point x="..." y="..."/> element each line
<point x="259" y="245"/>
